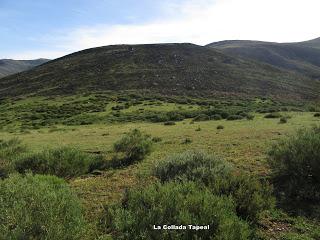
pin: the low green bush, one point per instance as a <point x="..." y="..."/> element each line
<point x="185" y="165"/>
<point x="169" y="123"/>
<point x="216" y="117"/>
<point x="63" y="162"/>
<point x="220" y="127"/>
<point x="133" y="146"/>
<point x="234" y="117"/>
<point x="250" y="195"/>
<point x="178" y="204"/>
<point x="39" y="207"/>
<point x="9" y="150"/>
<point x="295" y="162"/>
<point x="273" y="115"/>
<point x="201" y="117"/>
<point x="283" y="120"/>
<point x="316" y="115"/>
<point x="250" y="116"/>
<point x="174" y="116"/>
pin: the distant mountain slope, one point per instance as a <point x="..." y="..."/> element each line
<point x="315" y="43"/>
<point x="167" y="68"/>
<point x="303" y="57"/>
<point x="9" y="66"/>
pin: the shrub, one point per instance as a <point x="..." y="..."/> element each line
<point x="169" y="123"/>
<point x="220" y="127"/>
<point x="201" y="117"/>
<point x="249" y="194"/>
<point x="234" y="117"/>
<point x="39" y="207"/>
<point x="134" y="146"/>
<point x="173" y="203"/>
<point x="216" y="117"/>
<point x="316" y="115"/>
<point x="63" y="162"/>
<point x="273" y="115"/>
<point x="173" y="116"/>
<point x="295" y="162"/>
<point x="183" y="165"/>
<point x="11" y="148"/>
<point x="283" y="120"/>
<point x="250" y="116"/>
<point x="8" y="151"/>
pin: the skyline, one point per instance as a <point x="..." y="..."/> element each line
<point x="47" y="29"/>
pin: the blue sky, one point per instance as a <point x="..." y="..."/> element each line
<point x="52" y="28"/>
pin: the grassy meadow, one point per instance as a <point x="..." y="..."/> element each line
<point x="244" y="142"/>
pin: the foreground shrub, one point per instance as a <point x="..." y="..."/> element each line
<point x="11" y="148"/>
<point x="295" y="162"/>
<point x="251" y="196"/>
<point x="134" y="146"/>
<point x="178" y="204"/>
<point x="63" y="162"/>
<point x="8" y="151"/>
<point x="39" y="207"/>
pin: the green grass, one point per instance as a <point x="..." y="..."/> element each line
<point x="243" y="143"/>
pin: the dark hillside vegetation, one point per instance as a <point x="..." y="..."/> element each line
<point x="301" y="57"/>
<point x="165" y="68"/>
<point x="9" y="66"/>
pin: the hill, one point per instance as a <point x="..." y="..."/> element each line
<point x="165" y="68"/>
<point x="301" y="57"/>
<point x="315" y="43"/>
<point x="9" y="66"/>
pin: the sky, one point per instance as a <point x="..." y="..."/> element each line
<point x="31" y="29"/>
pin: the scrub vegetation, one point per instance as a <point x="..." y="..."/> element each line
<point x="110" y="166"/>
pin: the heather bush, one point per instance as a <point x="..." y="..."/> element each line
<point x="63" y="162"/>
<point x="132" y="147"/>
<point x="39" y="207"/>
<point x="251" y="196"/>
<point x="9" y="150"/>
<point x="295" y="162"/>
<point x="174" y="203"/>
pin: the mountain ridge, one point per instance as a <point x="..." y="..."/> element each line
<point x="299" y="57"/>
<point x="11" y="66"/>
